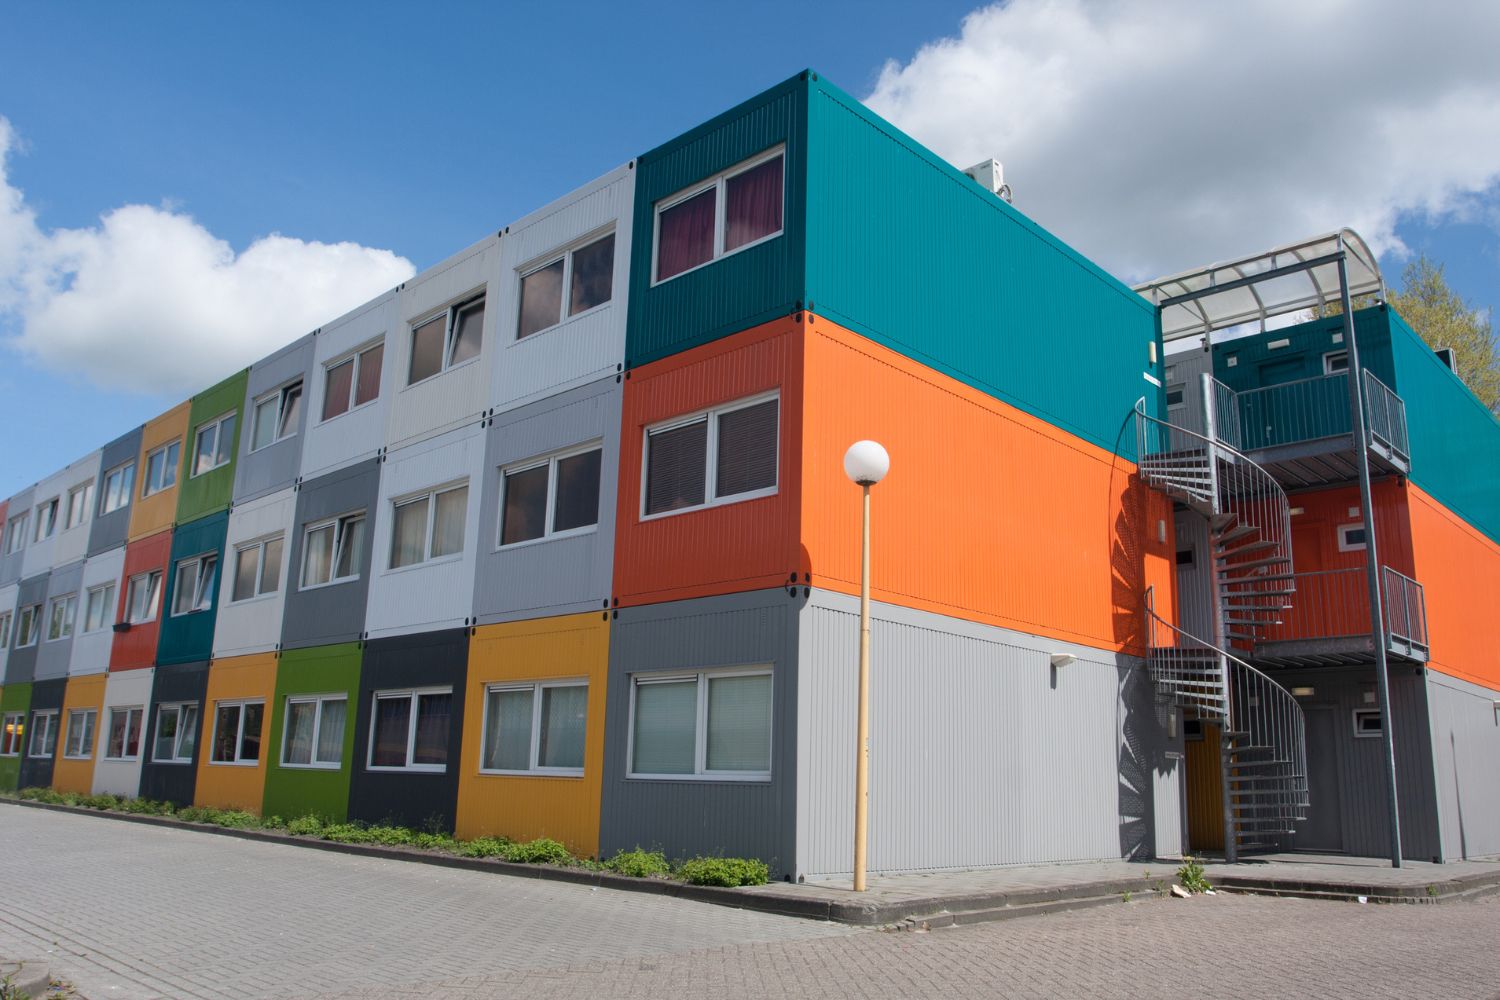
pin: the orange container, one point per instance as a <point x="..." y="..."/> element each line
<point x="135" y="646"/>
<point x="236" y="785"/>
<point x="71" y="774"/>
<point x="1315" y="545"/>
<point x="1458" y="567"/>
<point x="151" y="514"/>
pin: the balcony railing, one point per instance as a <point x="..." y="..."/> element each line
<point x="1405" y="613"/>
<point x="1335" y="604"/>
<point x="1308" y="409"/>
<point x="1385" y="415"/>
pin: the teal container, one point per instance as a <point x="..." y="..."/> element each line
<point x="189" y="637"/>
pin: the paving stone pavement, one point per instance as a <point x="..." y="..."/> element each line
<point x="146" y="912"/>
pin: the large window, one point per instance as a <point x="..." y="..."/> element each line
<point x="15" y="533"/>
<point x="99" y="608"/>
<point x="314" y="730"/>
<point x="161" y="468"/>
<point x="80" y="498"/>
<point x="410" y="729"/>
<point x="46" y="518"/>
<point x="725" y="213"/>
<point x="43" y="734"/>
<point x="118" y="482"/>
<point x="80" y="742"/>
<point x="573" y="282"/>
<point x="12" y="734"/>
<point x="352" y="381"/>
<point x="176" y="733"/>
<point x="257" y="569"/>
<point x="60" y="615"/>
<point x="331" y="550"/>
<point x="726" y="454"/>
<point x="194" y="588"/>
<point x="550" y="497"/>
<point x="29" y="626"/>
<point x="450" y="338"/>
<point x="124" y="734"/>
<point x="535" y="727"/>
<point x="275" y="416"/>
<point x="237" y="732"/>
<point x="214" y="445"/>
<point x="429" y="526"/>
<point x="142" y="597"/>
<point x="709" y="724"/>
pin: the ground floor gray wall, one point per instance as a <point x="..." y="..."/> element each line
<point x="1466" y="761"/>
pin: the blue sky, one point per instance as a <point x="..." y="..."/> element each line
<point x="418" y="128"/>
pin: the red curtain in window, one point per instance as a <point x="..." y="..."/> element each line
<point x="752" y="204"/>
<point x="686" y="235"/>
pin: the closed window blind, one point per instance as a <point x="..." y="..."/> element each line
<point x="747" y="449"/>
<point x="676" y="467"/>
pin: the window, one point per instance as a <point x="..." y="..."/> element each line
<point x="257" y="569"/>
<point x="4" y="630"/>
<point x="1336" y="362"/>
<point x="29" y="626"/>
<point x="535" y="727"/>
<point x="43" y="734"/>
<point x="46" y="519"/>
<point x="275" y="416"/>
<point x="12" y="735"/>
<point x="124" y="734"/>
<point x="1351" y="537"/>
<point x="15" y="533"/>
<point x="161" y="469"/>
<point x="1175" y="394"/>
<point x="142" y="597"/>
<point x="725" y="454"/>
<point x="1367" y="724"/>
<point x="60" y="615"/>
<point x="729" y="212"/>
<point x="550" y="497"/>
<point x="118" y="482"/>
<point x="237" y="732"/>
<point x="314" y="735"/>
<point x="429" y="526"/>
<point x="99" y="608"/>
<point x="708" y="724"/>
<point x="450" y="338"/>
<point x="331" y="549"/>
<point x="352" y="381"/>
<point x="410" y="729"/>
<point x="176" y="734"/>
<point x="81" y="723"/>
<point x="194" y="589"/>
<point x="80" y="498"/>
<point x="581" y="278"/>
<point x="214" y="445"/>
<point x="1185" y="557"/>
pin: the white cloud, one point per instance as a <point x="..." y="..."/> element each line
<point x="1161" y="134"/>
<point x="151" y="301"/>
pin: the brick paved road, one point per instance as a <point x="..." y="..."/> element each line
<point x="178" y="914"/>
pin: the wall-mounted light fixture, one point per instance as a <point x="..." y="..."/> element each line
<point x="1063" y="660"/>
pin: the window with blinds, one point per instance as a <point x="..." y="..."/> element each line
<point x="725" y="455"/>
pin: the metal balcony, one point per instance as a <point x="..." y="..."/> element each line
<point x="1328" y="622"/>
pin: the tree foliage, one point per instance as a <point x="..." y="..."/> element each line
<point x="1444" y="319"/>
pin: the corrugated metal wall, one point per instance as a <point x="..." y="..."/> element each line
<point x="742" y="289"/>
<point x="8" y="595"/>
<point x="1257" y="364"/>
<point x="189" y="637"/>
<point x="36" y="772"/>
<point x="357" y="434"/>
<point x="1186" y="369"/>
<point x="580" y="349"/>
<point x="332" y="614"/>
<point x="125" y="690"/>
<point x="437" y="593"/>
<point x="41" y="553"/>
<point x="173" y="782"/>
<point x="562" y="575"/>
<point x="11" y="562"/>
<point x="91" y="650"/>
<point x="755" y="819"/>
<point x="135" y="646"/>
<point x="238" y="785"/>
<point x="254" y="625"/>
<point x="1466" y="745"/>
<point x="980" y="752"/>
<point x="109" y="531"/>
<point x="21" y="667"/>
<point x="301" y="791"/>
<point x="72" y="774"/>
<point x="15" y="697"/>
<point x="210" y="492"/>
<point x="54" y="655"/>
<point x="277" y="465"/>
<point x="73" y="543"/>
<point x="1195" y="578"/>
<point x="1459" y="569"/>
<point x="157" y="512"/>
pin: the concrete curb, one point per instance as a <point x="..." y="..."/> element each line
<point x="27" y="978"/>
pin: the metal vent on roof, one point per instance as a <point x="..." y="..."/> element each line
<point x="991" y="176"/>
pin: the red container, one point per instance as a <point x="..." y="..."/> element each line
<point x="135" y="645"/>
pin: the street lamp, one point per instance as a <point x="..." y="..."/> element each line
<point x="865" y="463"/>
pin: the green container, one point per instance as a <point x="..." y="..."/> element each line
<point x="210" y="492"/>
<point x="14" y="698"/>
<point x="294" y="791"/>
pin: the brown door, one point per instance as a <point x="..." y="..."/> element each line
<point x="1205" y="783"/>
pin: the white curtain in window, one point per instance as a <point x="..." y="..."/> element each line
<point x="331" y="732"/>
<point x="448" y="522"/>
<point x="507" y="745"/>
<point x="564" y="712"/>
<point x="299" y="732"/>
<point x="410" y="540"/>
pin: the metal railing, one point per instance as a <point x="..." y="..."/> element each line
<point x="1306" y="410"/>
<point x="1385" y="413"/>
<point x="1192" y="672"/>
<point x="1329" y="604"/>
<point x="1405" y="612"/>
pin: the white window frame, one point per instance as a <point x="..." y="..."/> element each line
<point x="85" y="508"/>
<point x="339" y="536"/>
<point x="317" y="701"/>
<point x="411" y="730"/>
<point x="357" y="357"/>
<point x="107" y="598"/>
<point x="140" y="723"/>
<point x="239" y="733"/>
<point x="551" y="461"/>
<point x="1328" y="359"/>
<point x="719" y="181"/>
<point x="36" y="626"/>
<point x="218" y="427"/>
<point x="281" y="394"/>
<point x="52" y="507"/>
<point x="90" y="718"/>
<point x="203" y="597"/>
<point x="564" y="254"/>
<point x="710" y="455"/>
<point x="536" y="688"/>
<point x="179" y="708"/>
<point x="12" y="734"/>
<point x="125" y="489"/>
<point x="430" y="495"/>
<point x="700" y="752"/>
<point x="1344" y="530"/>
<point x="146" y="490"/>
<point x="15" y="538"/>
<point x="1171" y="387"/>
<point x="155" y="604"/>
<point x="450" y="336"/>
<point x="70" y="615"/>
<point x="5" y="622"/>
<point x="1362" y="734"/>
<point x="46" y="732"/>
<point x="259" y="547"/>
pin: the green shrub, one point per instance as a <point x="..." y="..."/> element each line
<point x="484" y="847"/>
<point x="1190" y="875"/>
<point x="639" y="864"/>
<point x="305" y="826"/>
<point x="729" y="872"/>
<point x="434" y="842"/>
<point x="145" y="807"/>
<point x="541" y="851"/>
